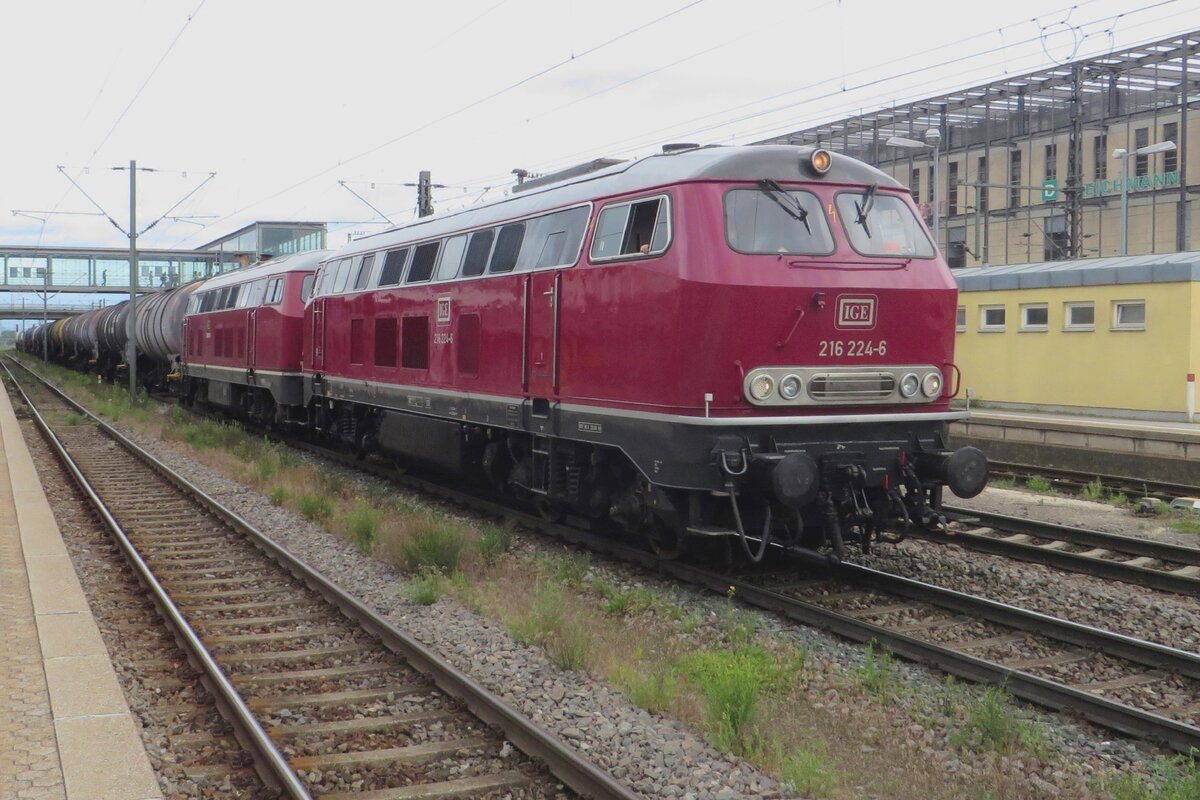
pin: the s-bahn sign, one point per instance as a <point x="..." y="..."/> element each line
<point x="1135" y="184"/>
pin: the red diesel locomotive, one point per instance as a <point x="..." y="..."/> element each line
<point x="745" y="342"/>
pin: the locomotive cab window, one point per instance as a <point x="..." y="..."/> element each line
<point x="274" y="291"/>
<point x="306" y="288"/>
<point x="770" y="219"/>
<point x="882" y="225"/>
<point x="551" y="240"/>
<point x="343" y="274"/>
<point x="637" y="228"/>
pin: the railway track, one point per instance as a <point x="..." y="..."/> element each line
<point x="1099" y="675"/>
<point x="1153" y="564"/>
<point x="1073" y="482"/>
<point x="329" y="699"/>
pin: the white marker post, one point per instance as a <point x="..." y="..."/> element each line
<point x="1191" y="397"/>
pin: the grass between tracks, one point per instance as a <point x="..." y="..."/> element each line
<point x="824" y="730"/>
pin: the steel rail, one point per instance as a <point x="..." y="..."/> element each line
<point x="1160" y="579"/>
<point x="575" y="772"/>
<point x="270" y="764"/>
<point x="1154" y="488"/>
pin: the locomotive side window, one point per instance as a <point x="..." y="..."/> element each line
<point x="452" y="255"/>
<point x="364" y="272"/>
<point x="469" y="336"/>
<point x="207" y="301"/>
<point x="343" y="275"/>
<point x="882" y="225"/>
<point x="508" y="247"/>
<point x="770" y="219"/>
<point x="393" y="267"/>
<point x="553" y="240"/>
<point x="231" y="298"/>
<point x="306" y="288"/>
<point x="414" y="342"/>
<point x="274" y="291"/>
<point x="358" y="342"/>
<point x="477" y="253"/>
<point x="630" y="229"/>
<point x="424" y="257"/>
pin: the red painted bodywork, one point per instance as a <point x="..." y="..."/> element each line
<point x="656" y="334"/>
<point x="263" y="337"/>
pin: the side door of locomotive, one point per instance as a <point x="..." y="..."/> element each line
<point x="541" y="302"/>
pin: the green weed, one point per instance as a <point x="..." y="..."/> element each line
<point x="1036" y="483"/>
<point x="634" y="601"/>
<point x="877" y="673"/>
<point x="362" y="523"/>
<point x="435" y="543"/>
<point x="1119" y="500"/>
<point x="1189" y="524"/>
<point x="654" y="690"/>
<point x="1092" y="490"/>
<point x="177" y="415"/>
<point x="278" y="495"/>
<point x="74" y="419"/>
<point x="426" y="588"/>
<point x="806" y="773"/>
<point x="315" y="506"/>
<point x="548" y="625"/>
<point x="1002" y="483"/>
<point x="993" y="722"/>
<point x="1169" y="779"/>
<point x="494" y="542"/>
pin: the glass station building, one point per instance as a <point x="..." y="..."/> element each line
<point x="1026" y="170"/>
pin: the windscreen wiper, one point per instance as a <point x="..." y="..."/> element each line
<point x="868" y="200"/>
<point x="773" y="190"/>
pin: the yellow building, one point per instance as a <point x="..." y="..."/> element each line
<point x="1118" y="335"/>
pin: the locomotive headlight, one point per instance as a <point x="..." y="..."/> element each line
<point x="909" y="385"/>
<point x="789" y="387"/>
<point x="762" y="387"/>
<point x="931" y="386"/>
<point x="820" y="161"/>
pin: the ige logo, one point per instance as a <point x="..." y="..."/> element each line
<point x="856" y="311"/>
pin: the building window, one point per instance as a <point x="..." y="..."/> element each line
<point x="1141" y="138"/>
<point x="1055" y="244"/>
<point x="914" y="185"/>
<point x="960" y="319"/>
<point x="1035" y="317"/>
<point x="981" y="191"/>
<point x="1014" y="179"/>
<point x="1129" y="315"/>
<point x="952" y="190"/>
<point x="991" y="318"/>
<point x="1100" y="157"/>
<point x="1051" y="162"/>
<point x="1079" y="316"/>
<point x="1171" y="157"/>
<point x="956" y="247"/>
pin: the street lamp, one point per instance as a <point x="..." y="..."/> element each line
<point x="1123" y="154"/>
<point x="933" y="139"/>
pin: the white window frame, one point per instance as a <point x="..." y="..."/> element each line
<point x="1117" y="325"/>
<point x="984" y="327"/>
<point x="665" y="207"/>
<point x="960" y="313"/>
<point x="1034" y="328"/>
<point x="1072" y="326"/>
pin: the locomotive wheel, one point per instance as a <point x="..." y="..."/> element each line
<point x="666" y="543"/>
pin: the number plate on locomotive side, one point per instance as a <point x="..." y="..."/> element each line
<point x="851" y="348"/>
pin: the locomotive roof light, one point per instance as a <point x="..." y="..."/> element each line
<point x="820" y="160"/>
<point x="931" y="386"/>
<point x="789" y="387"/>
<point x="909" y="385"/>
<point x="762" y="387"/>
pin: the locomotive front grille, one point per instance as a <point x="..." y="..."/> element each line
<point x="845" y="386"/>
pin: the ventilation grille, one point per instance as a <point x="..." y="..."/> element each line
<point x="851" y="386"/>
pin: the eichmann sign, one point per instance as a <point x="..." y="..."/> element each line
<point x="1097" y="188"/>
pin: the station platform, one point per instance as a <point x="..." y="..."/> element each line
<point x="66" y="732"/>
<point x="1168" y="452"/>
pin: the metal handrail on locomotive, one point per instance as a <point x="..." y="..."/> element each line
<point x="743" y="344"/>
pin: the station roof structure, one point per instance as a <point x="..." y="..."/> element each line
<point x="1154" y="268"/>
<point x="1135" y="79"/>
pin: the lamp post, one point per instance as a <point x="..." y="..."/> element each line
<point x="933" y="140"/>
<point x="1123" y="155"/>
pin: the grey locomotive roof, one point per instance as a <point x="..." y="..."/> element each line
<point x="1160" y="268"/>
<point x="272" y="266"/>
<point x="784" y="163"/>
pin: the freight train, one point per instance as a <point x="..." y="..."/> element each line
<point x="734" y="345"/>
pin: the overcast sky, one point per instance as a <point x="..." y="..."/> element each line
<point x="282" y="99"/>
